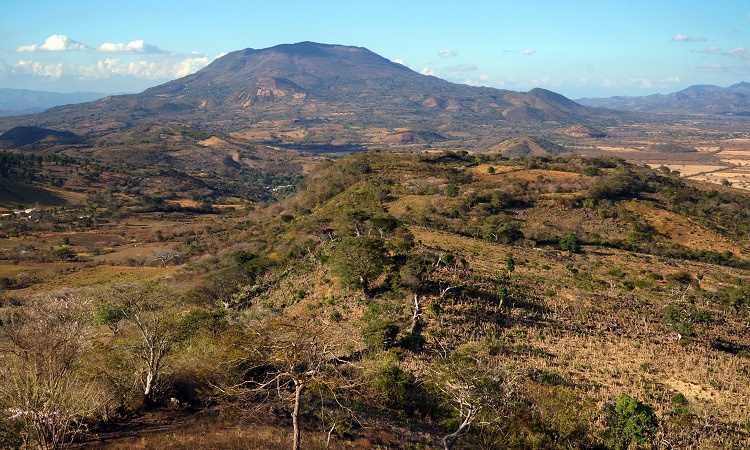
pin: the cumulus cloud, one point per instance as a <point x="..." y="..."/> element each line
<point x="739" y="52"/>
<point x="63" y="43"/>
<point x="529" y="51"/>
<point x="400" y="61"/>
<point x="429" y="71"/>
<point x="446" y="53"/>
<point x="138" y="46"/>
<point x="671" y="80"/>
<point x="686" y="38"/>
<point x="714" y="68"/>
<point x="110" y="67"/>
<point x="55" y="43"/>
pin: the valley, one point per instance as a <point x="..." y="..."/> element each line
<point x="310" y="246"/>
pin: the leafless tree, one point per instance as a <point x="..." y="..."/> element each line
<point x="165" y="256"/>
<point x="472" y="383"/>
<point x="147" y="310"/>
<point x="40" y="346"/>
<point x="286" y="359"/>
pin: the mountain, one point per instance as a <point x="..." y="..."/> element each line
<point x="700" y="99"/>
<point x="310" y="84"/>
<point x="23" y="101"/>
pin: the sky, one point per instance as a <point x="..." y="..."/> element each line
<point x="578" y="48"/>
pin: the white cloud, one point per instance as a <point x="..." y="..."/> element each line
<point x="671" y="80"/>
<point x="529" y="51"/>
<point x="167" y="69"/>
<point x="430" y="71"/>
<point x="55" y="43"/>
<point x="686" y="38"/>
<point x="446" y="53"/>
<point x="547" y="81"/>
<point x="138" y="46"/>
<point x="714" y="68"/>
<point x="485" y="77"/>
<point x="38" y="69"/>
<point x="400" y="61"/>
<point x="642" y="83"/>
<point x="63" y="43"/>
<point x="739" y="52"/>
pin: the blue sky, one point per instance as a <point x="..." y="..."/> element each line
<point x="578" y="48"/>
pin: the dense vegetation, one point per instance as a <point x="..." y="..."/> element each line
<point x="462" y="301"/>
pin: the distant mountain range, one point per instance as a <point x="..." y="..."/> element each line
<point x="700" y="99"/>
<point x="15" y="102"/>
<point x="310" y="84"/>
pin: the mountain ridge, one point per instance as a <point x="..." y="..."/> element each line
<point x="733" y="100"/>
<point x="25" y="101"/>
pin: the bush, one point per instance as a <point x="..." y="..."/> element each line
<point x="451" y="191"/>
<point x="630" y="421"/>
<point x="570" y="243"/>
<point x="395" y="388"/>
<point x="379" y="334"/>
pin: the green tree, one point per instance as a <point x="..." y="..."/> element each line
<point x="570" y="243"/>
<point x="630" y="422"/>
<point x="64" y="254"/>
<point x="358" y="261"/>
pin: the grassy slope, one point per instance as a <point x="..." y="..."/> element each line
<point x="603" y="322"/>
<point x="577" y="329"/>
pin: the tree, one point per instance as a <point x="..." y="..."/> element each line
<point x="358" y="261"/>
<point x="473" y="386"/>
<point x="64" y="254"/>
<point x="510" y="264"/>
<point x="165" y="256"/>
<point x="570" y="243"/>
<point x="148" y="311"/>
<point x="41" y="345"/>
<point x="630" y="422"/>
<point x="285" y="359"/>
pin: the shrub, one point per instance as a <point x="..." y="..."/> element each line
<point x="630" y="421"/>
<point x="396" y="388"/>
<point x="570" y="243"/>
<point x="379" y="334"/>
<point x="451" y="191"/>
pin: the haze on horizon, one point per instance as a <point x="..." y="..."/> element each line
<point x="580" y="48"/>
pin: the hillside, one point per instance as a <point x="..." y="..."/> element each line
<point x="702" y="99"/>
<point x="544" y="301"/>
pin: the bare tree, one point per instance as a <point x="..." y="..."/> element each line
<point x="474" y="386"/>
<point x="40" y="346"/>
<point x="148" y="310"/>
<point x="285" y="359"/>
<point x="165" y="256"/>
